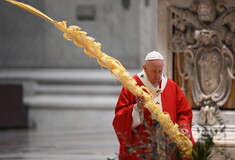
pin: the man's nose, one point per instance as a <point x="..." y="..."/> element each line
<point x="158" y="75"/>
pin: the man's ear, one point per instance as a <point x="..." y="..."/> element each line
<point x="144" y="66"/>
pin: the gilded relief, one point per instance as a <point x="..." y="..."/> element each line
<point x="205" y="34"/>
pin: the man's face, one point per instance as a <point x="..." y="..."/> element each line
<point x="206" y="11"/>
<point x="154" y="70"/>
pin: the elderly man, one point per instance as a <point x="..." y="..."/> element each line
<point x="137" y="133"/>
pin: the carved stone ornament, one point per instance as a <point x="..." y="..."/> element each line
<point x="205" y="34"/>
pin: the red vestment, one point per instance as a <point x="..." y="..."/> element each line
<point x="173" y="102"/>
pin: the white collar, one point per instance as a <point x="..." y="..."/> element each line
<point x="155" y="90"/>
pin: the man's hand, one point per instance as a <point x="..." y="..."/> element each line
<point x="185" y="132"/>
<point x="140" y="102"/>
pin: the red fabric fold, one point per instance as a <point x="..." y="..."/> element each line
<point x="173" y="102"/>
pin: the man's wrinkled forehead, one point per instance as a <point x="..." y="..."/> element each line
<point x="155" y="62"/>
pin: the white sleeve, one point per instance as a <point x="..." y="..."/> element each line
<point x="137" y="116"/>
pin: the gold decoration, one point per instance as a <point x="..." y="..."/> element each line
<point x="93" y="49"/>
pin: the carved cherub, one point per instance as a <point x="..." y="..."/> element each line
<point x="229" y="21"/>
<point x="202" y="14"/>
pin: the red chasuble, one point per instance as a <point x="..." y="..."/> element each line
<point x="132" y="139"/>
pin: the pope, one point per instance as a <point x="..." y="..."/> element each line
<point x="137" y="133"/>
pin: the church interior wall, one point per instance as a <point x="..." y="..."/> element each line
<point x="54" y="72"/>
<point x="30" y="42"/>
<point x="57" y="77"/>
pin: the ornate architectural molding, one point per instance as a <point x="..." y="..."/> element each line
<point x="205" y="34"/>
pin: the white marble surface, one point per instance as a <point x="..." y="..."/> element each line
<point x="63" y="145"/>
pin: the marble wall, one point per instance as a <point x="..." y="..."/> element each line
<point x="30" y="42"/>
<point x="61" y="85"/>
